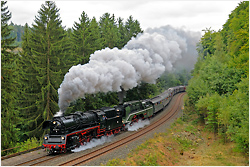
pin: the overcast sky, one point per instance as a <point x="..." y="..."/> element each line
<point x="193" y="15"/>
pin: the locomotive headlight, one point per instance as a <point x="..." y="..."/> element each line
<point x="63" y="138"/>
<point x="54" y="122"/>
<point x="46" y="138"/>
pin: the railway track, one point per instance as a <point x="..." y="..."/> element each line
<point x="35" y="161"/>
<point x="20" y="153"/>
<point x="104" y="150"/>
<point x="41" y="160"/>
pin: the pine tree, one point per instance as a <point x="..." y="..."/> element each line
<point x="28" y="87"/>
<point x="6" y="40"/>
<point x="132" y="28"/>
<point x="47" y="48"/>
<point x="95" y="42"/>
<point x="9" y="83"/>
<point x="109" y="30"/>
<point x="122" y="40"/>
<point x="79" y="42"/>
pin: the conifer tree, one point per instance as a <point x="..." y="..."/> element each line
<point x="122" y="40"/>
<point x="109" y="30"/>
<point x="95" y="42"/>
<point x="132" y="28"/>
<point x="28" y="88"/>
<point x="9" y="83"/>
<point x="6" y="40"/>
<point x="48" y="46"/>
<point x="79" y="42"/>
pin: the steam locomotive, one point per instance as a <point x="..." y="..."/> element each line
<point x="71" y="131"/>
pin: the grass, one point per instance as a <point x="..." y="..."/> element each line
<point x="186" y="144"/>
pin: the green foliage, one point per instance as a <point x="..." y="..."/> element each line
<point x="236" y="35"/>
<point x="219" y="87"/>
<point x="17" y="33"/>
<point x="23" y="146"/>
<point x="28" y="144"/>
<point x="44" y="62"/>
<point x="132" y="28"/>
<point x="184" y="143"/>
<point x="233" y="114"/>
<point x="109" y="30"/>
<point x="143" y="91"/>
<point x="6" y="39"/>
<point x="190" y="128"/>
<point x="209" y="106"/>
<point x="9" y="83"/>
<point x="149" y="160"/>
<point x="207" y="43"/>
<point x="79" y="41"/>
<point x="113" y="162"/>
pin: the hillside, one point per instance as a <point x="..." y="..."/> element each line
<point x="187" y="143"/>
<point x="219" y="90"/>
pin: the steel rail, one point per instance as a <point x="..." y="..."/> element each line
<point x="19" y="153"/>
<point x="39" y="160"/>
<point x="35" y="159"/>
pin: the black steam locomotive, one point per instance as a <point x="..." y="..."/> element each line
<point x="69" y="132"/>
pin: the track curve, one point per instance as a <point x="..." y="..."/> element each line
<point x="124" y="141"/>
<point x="82" y="158"/>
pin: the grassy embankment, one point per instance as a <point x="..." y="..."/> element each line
<point x="187" y="143"/>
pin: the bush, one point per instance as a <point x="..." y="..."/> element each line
<point x="23" y="146"/>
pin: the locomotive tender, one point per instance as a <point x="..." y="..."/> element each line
<point x="69" y="132"/>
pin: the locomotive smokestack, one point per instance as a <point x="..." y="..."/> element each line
<point x="59" y="114"/>
<point x="121" y="95"/>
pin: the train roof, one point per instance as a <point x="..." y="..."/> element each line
<point x="99" y="112"/>
<point x="105" y="109"/>
<point x="167" y="92"/>
<point x="160" y="97"/>
<point x="156" y="99"/>
<point x="131" y="102"/>
<point x="178" y="87"/>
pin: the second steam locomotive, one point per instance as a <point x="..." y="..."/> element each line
<point x="69" y="132"/>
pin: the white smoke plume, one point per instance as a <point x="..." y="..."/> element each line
<point x="143" y="59"/>
<point x="93" y="143"/>
<point x="138" y="125"/>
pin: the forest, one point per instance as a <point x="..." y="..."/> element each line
<point x="219" y="88"/>
<point x="35" y="58"/>
<point x="17" y="32"/>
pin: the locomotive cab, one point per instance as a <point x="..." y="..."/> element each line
<point x="112" y="119"/>
<point x="120" y="110"/>
<point x="102" y="118"/>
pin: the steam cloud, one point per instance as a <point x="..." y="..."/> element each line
<point x="138" y="125"/>
<point x="93" y="143"/>
<point x="143" y="59"/>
